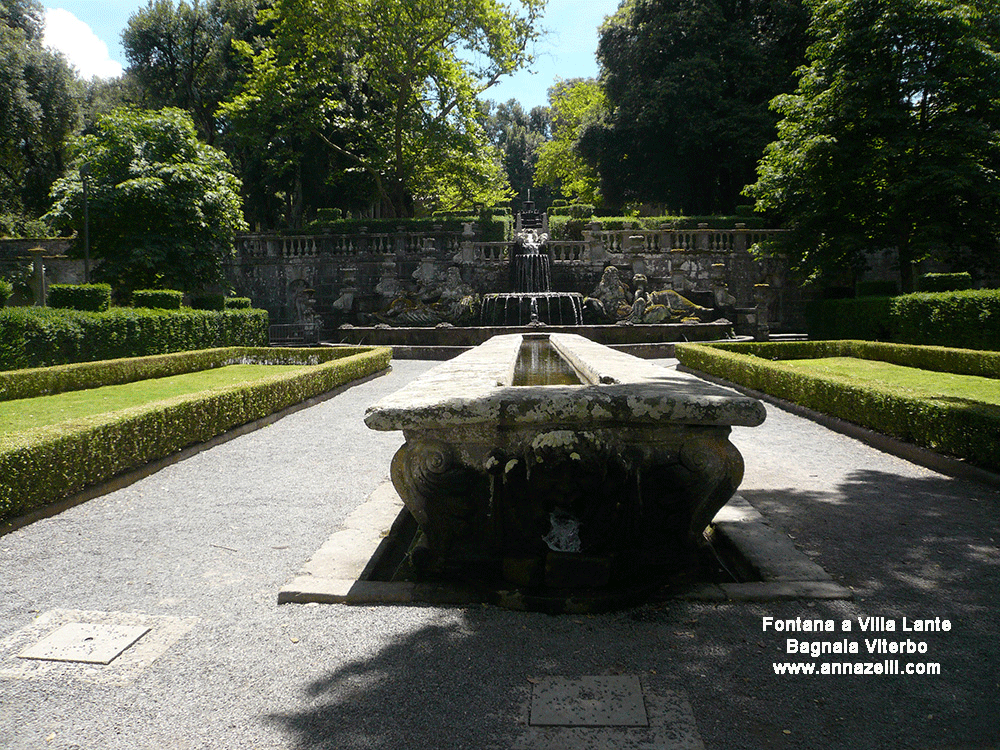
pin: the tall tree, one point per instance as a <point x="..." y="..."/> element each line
<point x="519" y="135"/>
<point x="39" y="109"/>
<point x="892" y="138"/>
<point x="575" y="105"/>
<point x="183" y="56"/>
<point x="688" y="84"/>
<point x="391" y="87"/>
<point x="164" y="207"/>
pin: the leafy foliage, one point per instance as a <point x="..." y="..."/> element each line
<point x="519" y="135"/>
<point x="891" y="138"/>
<point x="39" y="109"/>
<point x="183" y="55"/>
<point x="40" y="337"/>
<point x="88" y="297"/>
<point x="390" y="88"/>
<point x="688" y="84"/>
<point x="969" y="319"/>
<point x="164" y="207"/>
<point x="575" y="105"/>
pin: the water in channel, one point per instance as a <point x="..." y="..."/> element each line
<point x="538" y="363"/>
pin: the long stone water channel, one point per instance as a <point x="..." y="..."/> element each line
<point x="561" y="466"/>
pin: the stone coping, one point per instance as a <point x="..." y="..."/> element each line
<point x="474" y="388"/>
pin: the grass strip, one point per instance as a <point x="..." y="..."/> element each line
<point x="29" y="413"/>
<point x="955" y="426"/>
<point x="48" y="463"/>
<point x="919" y="383"/>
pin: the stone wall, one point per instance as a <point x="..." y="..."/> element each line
<point x="349" y="279"/>
<point x="34" y="264"/>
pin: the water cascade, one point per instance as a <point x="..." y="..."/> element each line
<point x="531" y="300"/>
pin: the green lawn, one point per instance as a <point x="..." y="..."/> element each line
<point x="920" y="383"/>
<point x="27" y="413"/>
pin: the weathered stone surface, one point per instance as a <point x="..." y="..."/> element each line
<point x="577" y="485"/>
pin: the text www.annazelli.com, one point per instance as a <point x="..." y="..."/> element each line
<point x="886" y="667"/>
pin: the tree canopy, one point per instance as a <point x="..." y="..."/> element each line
<point x="164" y="207"/>
<point x="519" y="135"/>
<point x="183" y="55"/>
<point x="575" y="105"/>
<point x="390" y="88"/>
<point x="892" y="138"/>
<point x="688" y="84"/>
<point x="39" y="109"/>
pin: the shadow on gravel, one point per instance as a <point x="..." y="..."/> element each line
<point x="918" y="548"/>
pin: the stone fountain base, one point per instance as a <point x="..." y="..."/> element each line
<point x="604" y="485"/>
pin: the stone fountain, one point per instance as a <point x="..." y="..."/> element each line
<point x="531" y="300"/>
<point x="561" y="468"/>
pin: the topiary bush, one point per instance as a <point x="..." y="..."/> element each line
<point x="969" y="319"/>
<point x="86" y="297"/>
<point x="237" y="303"/>
<point x="158" y="299"/>
<point x="868" y="318"/>
<point x="41" y="337"/>
<point x="945" y="282"/>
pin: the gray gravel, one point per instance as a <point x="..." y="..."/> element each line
<point x="215" y="536"/>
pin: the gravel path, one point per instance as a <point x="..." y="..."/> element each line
<point x="215" y="536"/>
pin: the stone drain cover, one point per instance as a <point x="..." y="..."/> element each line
<point x="606" y="701"/>
<point x="89" y="643"/>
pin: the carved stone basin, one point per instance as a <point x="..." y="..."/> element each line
<point x="565" y="486"/>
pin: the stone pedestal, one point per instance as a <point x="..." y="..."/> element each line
<point x="562" y="486"/>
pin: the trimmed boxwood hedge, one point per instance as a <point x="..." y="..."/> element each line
<point x="960" y="428"/>
<point x="968" y="319"/>
<point x="88" y="297"/>
<point x="41" y="466"/>
<point x="158" y="299"/>
<point x="42" y="337"/>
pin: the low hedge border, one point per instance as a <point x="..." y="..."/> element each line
<point x="46" y="381"/>
<point x="41" y="466"/>
<point x="43" y="337"/>
<point x="967" y="430"/>
<point x="935" y="358"/>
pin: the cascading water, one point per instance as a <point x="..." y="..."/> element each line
<point x="531" y="300"/>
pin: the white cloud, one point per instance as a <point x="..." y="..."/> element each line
<point x="75" y="39"/>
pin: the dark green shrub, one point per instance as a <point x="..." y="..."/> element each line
<point x="41" y="466"/>
<point x="964" y="320"/>
<point x="158" y="299"/>
<point x="574" y="211"/>
<point x="879" y="288"/>
<point x="6" y="290"/>
<point x="968" y="320"/>
<point x="866" y="318"/>
<point x="496" y="225"/>
<point x="87" y="297"/>
<point x="329" y="214"/>
<point x="945" y="282"/>
<point x="209" y="301"/>
<point x="41" y="337"/>
<point x="237" y="303"/>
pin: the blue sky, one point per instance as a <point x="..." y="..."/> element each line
<point x="89" y="33"/>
